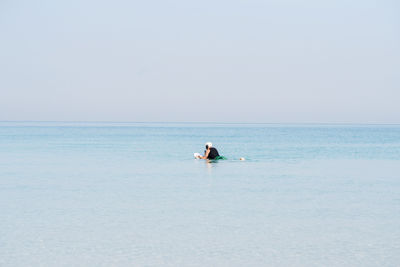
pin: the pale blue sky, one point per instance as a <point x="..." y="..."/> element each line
<point x="220" y="60"/>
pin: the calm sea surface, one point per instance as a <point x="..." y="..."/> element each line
<point x="131" y="194"/>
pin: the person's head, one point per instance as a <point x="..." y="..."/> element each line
<point x="208" y="145"/>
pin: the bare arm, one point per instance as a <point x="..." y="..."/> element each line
<point x="206" y="154"/>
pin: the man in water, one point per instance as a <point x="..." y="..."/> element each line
<point x="211" y="152"/>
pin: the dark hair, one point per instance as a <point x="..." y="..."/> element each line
<point x="206" y="146"/>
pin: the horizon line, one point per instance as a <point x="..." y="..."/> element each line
<point x="199" y="122"/>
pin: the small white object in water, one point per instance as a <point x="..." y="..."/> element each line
<point x="242" y="159"/>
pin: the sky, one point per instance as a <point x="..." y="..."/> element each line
<point x="278" y="61"/>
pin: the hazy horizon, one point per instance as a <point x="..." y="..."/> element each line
<point x="219" y="61"/>
<point x="116" y="122"/>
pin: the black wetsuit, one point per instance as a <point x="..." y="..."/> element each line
<point x="213" y="153"/>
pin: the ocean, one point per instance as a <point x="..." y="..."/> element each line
<point x="131" y="194"/>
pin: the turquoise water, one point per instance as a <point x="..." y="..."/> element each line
<point x="131" y="194"/>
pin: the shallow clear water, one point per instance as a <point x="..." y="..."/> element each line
<point x="130" y="194"/>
